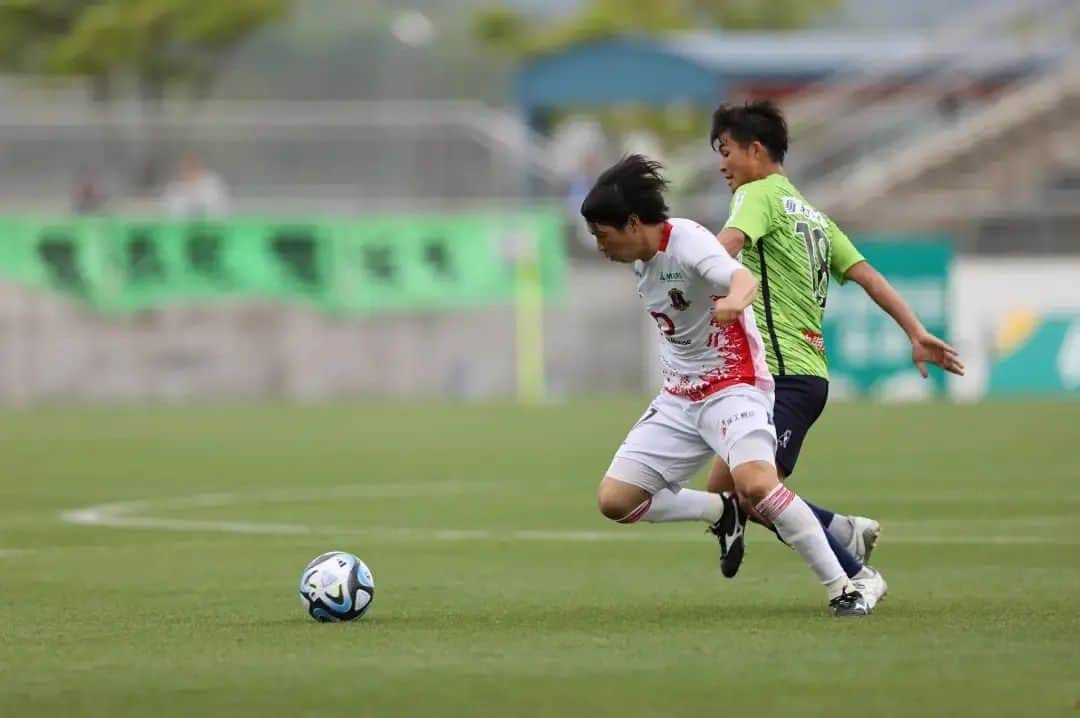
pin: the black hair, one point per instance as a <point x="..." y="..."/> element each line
<point x="632" y="186"/>
<point x="759" y="120"/>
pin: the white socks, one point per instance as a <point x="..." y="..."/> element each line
<point x="843" y="528"/>
<point x="686" y="505"/>
<point x="801" y="530"/>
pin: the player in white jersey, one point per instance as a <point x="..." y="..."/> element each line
<point x="717" y="394"/>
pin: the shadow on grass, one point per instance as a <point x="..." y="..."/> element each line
<point x="569" y="617"/>
<point x="370" y="622"/>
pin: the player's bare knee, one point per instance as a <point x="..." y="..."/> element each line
<point x="617" y="499"/>
<point x="754" y="480"/>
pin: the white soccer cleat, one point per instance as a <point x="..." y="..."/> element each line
<point x="872" y="587"/>
<point x="864" y="536"/>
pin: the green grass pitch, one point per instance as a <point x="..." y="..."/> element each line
<point x="500" y="589"/>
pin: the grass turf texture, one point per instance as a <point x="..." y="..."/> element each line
<point x="980" y="508"/>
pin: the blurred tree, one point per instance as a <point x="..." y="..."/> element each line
<point x="507" y="31"/>
<point x="770" y="15"/>
<point x="157" y="43"/>
<point x="30" y="31"/>
<point x="160" y="42"/>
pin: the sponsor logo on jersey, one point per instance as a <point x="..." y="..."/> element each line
<point x="678" y="299"/>
<point x="727" y="422"/>
<point x="794" y="205"/>
<point x="672" y="277"/>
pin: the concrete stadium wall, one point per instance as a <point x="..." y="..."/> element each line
<point x="52" y="350"/>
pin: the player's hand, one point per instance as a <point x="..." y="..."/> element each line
<point x="725" y="313"/>
<point x="926" y="348"/>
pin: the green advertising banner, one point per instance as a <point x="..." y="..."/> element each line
<point x="351" y="266"/>
<point x="1038" y="355"/>
<point x="868" y="353"/>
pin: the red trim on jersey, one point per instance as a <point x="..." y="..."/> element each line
<point x="814" y="338"/>
<point x="667" y="236"/>
<point x="701" y="392"/>
<point x="742" y="371"/>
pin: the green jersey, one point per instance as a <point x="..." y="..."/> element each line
<point x="791" y="248"/>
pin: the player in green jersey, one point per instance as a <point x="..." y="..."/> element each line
<point x="792" y="249"/>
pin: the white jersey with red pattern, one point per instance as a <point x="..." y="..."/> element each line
<point x="678" y="286"/>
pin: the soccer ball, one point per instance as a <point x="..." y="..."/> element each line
<point x="336" y="586"/>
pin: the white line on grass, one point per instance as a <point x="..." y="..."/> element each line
<point x="134" y="514"/>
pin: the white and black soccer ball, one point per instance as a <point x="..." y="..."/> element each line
<point x="336" y="586"/>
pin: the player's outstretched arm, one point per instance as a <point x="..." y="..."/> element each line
<point x="925" y="347"/>
<point x="732" y="239"/>
<point x="741" y="295"/>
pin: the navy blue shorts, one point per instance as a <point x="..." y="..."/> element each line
<point x="799" y="402"/>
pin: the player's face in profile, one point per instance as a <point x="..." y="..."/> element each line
<point x="618" y="245"/>
<point x="736" y="161"/>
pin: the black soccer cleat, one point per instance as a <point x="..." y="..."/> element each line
<point x="732" y="560"/>
<point x="730" y="531"/>
<point x="849" y="603"/>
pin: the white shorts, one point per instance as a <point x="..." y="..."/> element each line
<point x="675" y="437"/>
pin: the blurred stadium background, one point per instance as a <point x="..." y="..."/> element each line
<point x="277" y="199"/>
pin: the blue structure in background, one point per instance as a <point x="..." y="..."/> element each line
<point x="689" y="68"/>
<point x="613" y="72"/>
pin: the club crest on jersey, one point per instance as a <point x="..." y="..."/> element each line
<point x="678" y="299"/>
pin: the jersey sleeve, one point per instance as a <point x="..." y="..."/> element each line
<point x="751" y="211"/>
<point x="702" y="254"/>
<point x="842" y="253"/>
